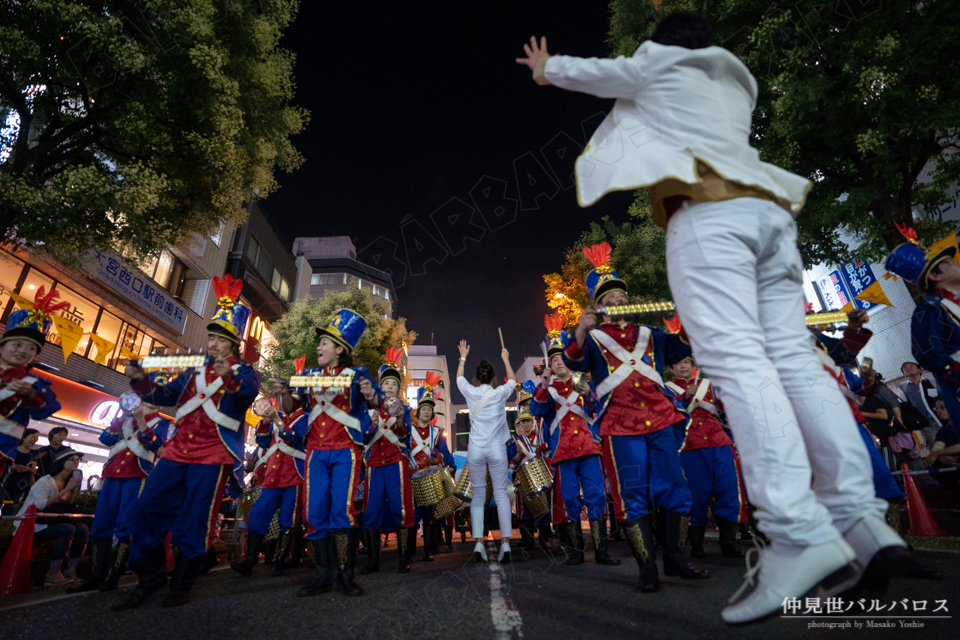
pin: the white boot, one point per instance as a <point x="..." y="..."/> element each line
<point x="504" y="551"/>
<point x="869" y="535"/>
<point x="792" y="573"/>
<point x="480" y="552"/>
<point x="882" y="554"/>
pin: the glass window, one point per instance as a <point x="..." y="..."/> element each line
<point x="149" y="265"/>
<point x="386" y="294"/>
<point x="164" y="269"/>
<point x="284" y="289"/>
<point x="10" y="270"/>
<point x="265" y="266"/>
<point x="81" y="312"/>
<point x="178" y="279"/>
<point x="217" y="236"/>
<point x="275" y="282"/>
<point x="34" y="281"/>
<point x="109" y="329"/>
<point x="315" y="278"/>
<point x="253" y="251"/>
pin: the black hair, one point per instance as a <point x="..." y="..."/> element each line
<point x="57" y="430"/>
<point x="345" y="358"/>
<point x="909" y="362"/>
<point x="60" y="461"/>
<point x="27" y="433"/>
<point x="684" y="29"/>
<point x="432" y="408"/>
<point x="485" y="373"/>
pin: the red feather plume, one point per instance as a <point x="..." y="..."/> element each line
<point x="554" y="323"/>
<point x="431" y="379"/>
<point x="394" y="356"/>
<point x="807" y="307"/>
<point x="227" y="287"/>
<point x="598" y="254"/>
<point x="908" y="232"/>
<point x="300" y="363"/>
<point x="45" y="301"/>
<point x="673" y="324"/>
<point x="434" y="422"/>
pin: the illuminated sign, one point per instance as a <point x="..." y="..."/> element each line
<point x="104" y="413"/>
<point x="257" y="329"/>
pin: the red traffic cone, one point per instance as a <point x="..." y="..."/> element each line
<point x="922" y="522"/>
<point x="171" y="560"/>
<point x="15" y="570"/>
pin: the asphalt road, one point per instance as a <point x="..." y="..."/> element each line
<point x="452" y="597"/>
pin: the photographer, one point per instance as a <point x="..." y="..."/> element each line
<point x="46" y="493"/>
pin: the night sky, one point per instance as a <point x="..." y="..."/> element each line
<point x="414" y="106"/>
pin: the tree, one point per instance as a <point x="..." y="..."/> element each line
<point x="132" y="123"/>
<point x="295" y="332"/>
<point x="638" y="257"/>
<point x="863" y="98"/>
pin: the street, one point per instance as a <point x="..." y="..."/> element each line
<point x="533" y="597"/>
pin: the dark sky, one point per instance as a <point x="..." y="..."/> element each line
<point x="417" y="105"/>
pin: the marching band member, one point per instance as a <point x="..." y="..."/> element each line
<point x="429" y="448"/>
<point x="573" y="447"/>
<point x="23" y="396"/>
<point x="282" y="484"/>
<point x="709" y="463"/>
<point x="184" y="491"/>
<point x="334" y="433"/>
<point x="638" y="418"/>
<point x="388" y="492"/>
<point x="527" y="445"/>
<point x="134" y="437"/>
<point x="487" y="451"/>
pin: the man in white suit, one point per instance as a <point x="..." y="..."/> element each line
<point x="681" y="126"/>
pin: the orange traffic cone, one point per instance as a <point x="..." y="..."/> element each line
<point x="15" y="570"/>
<point x="922" y="522"/>
<point x="171" y="560"/>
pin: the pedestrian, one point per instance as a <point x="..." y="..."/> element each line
<point x="23" y="472"/>
<point x="922" y="395"/>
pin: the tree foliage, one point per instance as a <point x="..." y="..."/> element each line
<point x="638" y="257"/>
<point x="861" y="97"/>
<point x="132" y="123"/>
<point x="295" y="332"/>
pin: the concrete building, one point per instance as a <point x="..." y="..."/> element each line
<point x="331" y="262"/>
<point x="420" y="360"/>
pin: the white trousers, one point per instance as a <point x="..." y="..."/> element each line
<point x="735" y="274"/>
<point x="480" y="460"/>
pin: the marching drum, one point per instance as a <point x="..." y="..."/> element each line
<point x="464" y="490"/>
<point x="538" y="504"/>
<point x="430" y="486"/>
<point x="532" y="479"/>
<point x="449" y="504"/>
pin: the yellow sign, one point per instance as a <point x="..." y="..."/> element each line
<point x="874" y="293"/>
<point x="939" y="245"/>
<point x="104" y="348"/>
<point x="129" y="355"/>
<point x="70" y="335"/>
<point x="22" y="302"/>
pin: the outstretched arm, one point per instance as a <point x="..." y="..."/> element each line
<point x="602" y="77"/>
<point x="506" y="363"/>
<point x="464" y="350"/>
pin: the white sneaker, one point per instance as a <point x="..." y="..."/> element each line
<point x="480" y="552"/>
<point x="504" y="552"/>
<point x="825" y="566"/>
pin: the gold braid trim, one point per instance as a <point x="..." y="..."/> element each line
<point x="121" y="558"/>
<point x="343" y="541"/>
<point x="635" y="537"/>
<point x="684" y="530"/>
<point x="595" y="532"/>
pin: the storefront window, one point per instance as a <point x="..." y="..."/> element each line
<point x="164" y="269"/>
<point x="81" y="312"/>
<point x="32" y="284"/>
<point x="10" y="270"/>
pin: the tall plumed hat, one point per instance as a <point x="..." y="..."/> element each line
<point x="912" y="261"/>
<point x="554" y="325"/>
<point x="32" y="322"/>
<point x="673" y="324"/>
<point x="525" y="391"/>
<point x="345" y="329"/>
<point x="603" y="279"/>
<point x="428" y="393"/>
<point x="230" y="321"/>
<point x="390" y="370"/>
<point x="523" y="413"/>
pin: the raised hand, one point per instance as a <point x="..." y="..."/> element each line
<point x="534" y="52"/>
<point x="464" y="348"/>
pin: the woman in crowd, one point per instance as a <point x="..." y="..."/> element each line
<point x="23" y="473"/>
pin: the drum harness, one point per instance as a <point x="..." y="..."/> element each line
<point x="279" y="445"/>
<point x="131" y="441"/>
<point x="698" y="401"/>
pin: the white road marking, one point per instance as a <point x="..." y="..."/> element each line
<point x="507" y="622"/>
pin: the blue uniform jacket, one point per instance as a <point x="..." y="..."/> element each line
<point x="22" y="415"/>
<point x="668" y="349"/>
<point x="358" y="405"/>
<point x="289" y="435"/>
<point x="936" y="337"/>
<point x="232" y="404"/>
<point x="548" y="411"/>
<point x="151" y="443"/>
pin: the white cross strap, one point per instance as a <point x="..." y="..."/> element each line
<point x="384" y="430"/>
<point x="128" y="440"/>
<point x="10" y="428"/>
<point x="6" y="393"/>
<point x="279" y="445"/>
<point x="323" y="398"/>
<point x="702" y="387"/>
<point x="565" y="406"/>
<point x="204" y="399"/>
<point x="630" y="361"/>
<point x="421" y="445"/>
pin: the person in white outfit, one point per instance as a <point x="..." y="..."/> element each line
<point x="681" y="125"/>
<point x="487" y="450"/>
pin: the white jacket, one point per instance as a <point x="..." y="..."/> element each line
<point x="675" y="106"/>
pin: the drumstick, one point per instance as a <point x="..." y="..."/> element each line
<point x="503" y="346"/>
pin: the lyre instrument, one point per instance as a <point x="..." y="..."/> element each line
<point x="321" y="381"/>
<point x="173" y="361"/>
<point x="647" y="308"/>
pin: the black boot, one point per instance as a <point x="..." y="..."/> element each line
<point x="526" y="538"/>
<point x="543" y="541"/>
<point x="210" y="560"/>
<point x="728" y="537"/>
<point x="184" y="575"/>
<point x="99" y="553"/>
<point x="448" y="537"/>
<point x="659" y="527"/>
<point x="571" y="545"/>
<point x="118" y="565"/>
<point x="406" y="541"/>
<point x="427" y="542"/>
<point x="696" y="540"/>
<point x="598" y="529"/>
<point x="373" y="551"/>
<point x="436" y="537"/>
<point x="283" y="548"/>
<point x="346" y="559"/>
<point x="616" y="533"/>
<point x="245" y="566"/>
<point x="675" y="562"/>
<point x="640" y="538"/>
<point x="323" y="582"/>
<point x="296" y="549"/>
<point x="152" y="576"/>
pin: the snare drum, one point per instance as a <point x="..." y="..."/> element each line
<point x="464" y="490"/>
<point x="430" y="486"/>
<point x="533" y="478"/>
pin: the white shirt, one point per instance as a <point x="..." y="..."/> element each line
<point x="675" y="106"/>
<point x="488" y="424"/>
<point x="41" y="494"/>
